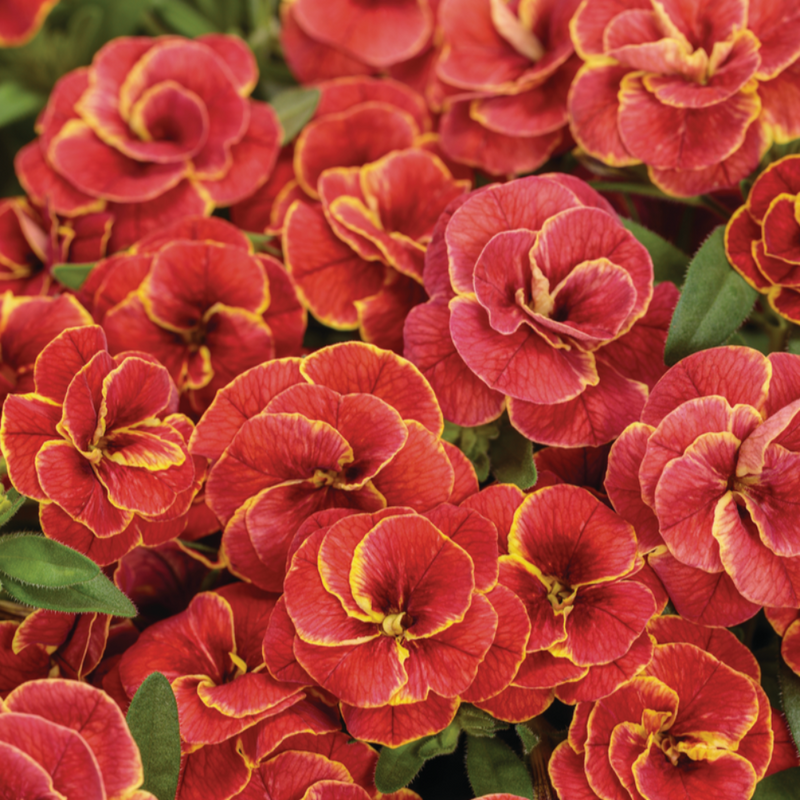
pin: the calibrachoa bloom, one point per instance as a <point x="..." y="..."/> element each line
<point x="20" y="21"/>
<point x="357" y="257"/>
<point x="68" y="740"/>
<point x="350" y="426"/>
<point x="196" y="297"/>
<point x="27" y="326"/>
<point x="153" y="130"/>
<point x="99" y="445"/>
<point x="711" y="472"/>
<point x="507" y="68"/>
<point x="762" y="239"/>
<point x="333" y="38"/>
<point x="542" y="303"/>
<point x="695" y="723"/>
<point x="211" y="654"/>
<point x="390" y="617"/>
<point x="659" y="76"/>
<point x="570" y="561"/>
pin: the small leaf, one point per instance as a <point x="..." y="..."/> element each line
<point x="18" y="102"/>
<point x="669" y="263"/>
<point x="294" y="108"/>
<point x="72" y="276"/>
<point x="183" y="19"/>
<point x="98" y="595"/>
<point x="10" y="502"/>
<point x="511" y="456"/>
<point x="494" y="768"/>
<point x="476" y="722"/>
<point x="30" y="558"/>
<point x="528" y="738"/>
<point x="790" y="698"/>
<point x="714" y="302"/>
<point x="780" y="786"/>
<point x="398" y="766"/>
<point x="153" y="722"/>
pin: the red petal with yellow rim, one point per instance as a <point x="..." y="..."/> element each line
<point x="596" y="416"/>
<point x="62" y="753"/>
<point x="515" y="704"/>
<point x="95" y="717"/>
<point x="214" y="768"/>
<point x="350" y="138"/>
<point x="741" y="234"/>
<point x="380" y="36"/>
<point x="503" y="660"/>
<point x="353" y="367"/>
<point x="466" y="481"/>
<point x="568" y="775"/>
<point x="239" y="401"/>
<point x="465" y="399"/>
<point x="396" y="725"/>
<point x="740" y="375"/>
<point x="290" y="774"/>
<point x="702" y="597"/>
<point x="286" y="317"/>
<point x="277" y="648"/>
<point x="516" y="364"/>
<point x="542" y="670"/>
<point x="594" y="17"/>
<point x="498" y="503"/>
<point x="466" y="141"/>
<point x="238" y="58"/>
<point x="782" y="230"/>
<point x="568" y="534"/>
<point x="17" y="668"/>
<point x="23" y="778"/>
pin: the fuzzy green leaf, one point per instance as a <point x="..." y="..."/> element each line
<point x="153" y="722"/>
<point x="669" y="263"/>
<point x="714" y="302"/>
<point x="780" y="786"/>
<point x="73" y="276"/>
<point x="98" y="595"/>
<point x="30" y="558"/>
<point x="398" y="766"/>
<point x="511" y="457"/>
<point x="528" y="738"/>
<point x="10" y="502"/>
<point x="790" y="698"/>
<point x="494" y="768"/>
<point x="183" y="19"/>
<point x="294" y="108"/>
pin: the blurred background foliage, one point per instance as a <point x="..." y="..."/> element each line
<point x="76" y="29"/>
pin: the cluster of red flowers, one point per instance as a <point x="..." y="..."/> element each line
<point x="354" y="580"/>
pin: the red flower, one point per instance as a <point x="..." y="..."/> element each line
<point x="324" y="39"/>
<point x="541" y="301"/>
<point x="20" y="22"/>
<point x="153" y="130"/>
<point x="99" y="446"/>
<point x="710" y="473"/>
<point x="211" y="654"/>
<point x="66" y="739"/>
<point x="27" y="326"/>
<point x="507" y="70"/>
<point x="761" y="240"/>
<point x="350" y="426"/>
<point x="571" y="561"/>
<point x="694" y="723"/>
<point x="658" y="79"/>
<point x="392" y="596"/>
<point x="194" y="296"/>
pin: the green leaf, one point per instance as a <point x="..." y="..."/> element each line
<point x="714" y="302"/>
<point x="10" y="502"/>
<point x="494" y="768"/>
<point x="294" y="108"/>
<point x="398" y="766"/>
<point x="790" y="698"/>
<point x="98" y="594"/>
<point x="153" y="722"/>
<point x="30" y="558"/>
<point x="475" y="722"/>
<point x="529" y="739"/>
<point x="511" y="456"/>
<point x="669" y="263"/>
<point x="183" y="19"/>
<point x="780" y="786"/>
<point x="72" y="276"/>
<point x="18" y="102"/>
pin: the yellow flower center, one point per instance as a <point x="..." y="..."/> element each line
<point x="560" y="595"/>
<point x="392" y="624"/>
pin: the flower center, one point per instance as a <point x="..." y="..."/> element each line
<point x="561" y="595"/>
<point x="392" y="624"/>
<point x="668" y="746"/>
